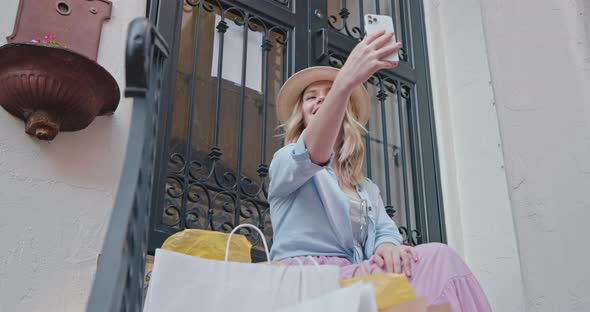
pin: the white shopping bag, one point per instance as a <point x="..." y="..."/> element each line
<point x="185" y="283"/>
<point x="356" y="298"/>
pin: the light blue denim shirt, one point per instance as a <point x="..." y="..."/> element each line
<point x="310" y="213"/>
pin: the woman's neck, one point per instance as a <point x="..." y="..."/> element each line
<point x="336" y="168"/>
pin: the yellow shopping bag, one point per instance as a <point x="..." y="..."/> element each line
<point x="417" y="305"/>
<point x="390" y="289"/>
<point x="209" y="245"/>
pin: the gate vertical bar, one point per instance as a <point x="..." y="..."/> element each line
<point x="419" y="202"/>
<point x="368" y="150"/>
<point x="382" y="95"/>
<point x="191" y="104"/>
<point x="393" y="15"/>
<point x="406" y="38"/>
<point x="403" y="160"/>
<point x="266" y="46"/>
<point x="221" y="28"/>
<point x="169" y="24"/>
<point x="238" y="199"/>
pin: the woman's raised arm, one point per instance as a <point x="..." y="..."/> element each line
<point x="362" y="63"/>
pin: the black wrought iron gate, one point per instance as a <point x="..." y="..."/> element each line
<point x="231" y="58"/>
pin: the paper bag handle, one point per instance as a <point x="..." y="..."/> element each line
<point x="310" y="258"/>
<point x="248" y="226"/>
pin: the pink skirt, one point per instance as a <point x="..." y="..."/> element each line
<point x="440" y="275"/>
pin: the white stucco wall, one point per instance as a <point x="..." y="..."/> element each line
<point x="56" y="197"/>
<point x="478" y="215"/>
<point x="540" y="65"/>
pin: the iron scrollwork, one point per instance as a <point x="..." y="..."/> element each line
<point x="333" y="21"/>
<point x="210" y="7"/>
<point x="341" y="23"/>
<point x="202" y="191"/>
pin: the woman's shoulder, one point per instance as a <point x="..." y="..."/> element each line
<point x="295" y="150"/>
<point x="285" y="150"/>
<point x="282" y="156"/>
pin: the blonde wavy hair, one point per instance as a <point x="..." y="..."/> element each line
<point x="350" y="149"/>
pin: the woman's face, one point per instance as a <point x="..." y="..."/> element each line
<point x="313" y="97"/>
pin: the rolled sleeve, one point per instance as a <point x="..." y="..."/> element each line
<point x="291" y="167"/>
<point x="386" y="229"/>
<point x="301" y="154"/>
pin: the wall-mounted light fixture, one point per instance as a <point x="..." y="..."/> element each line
<point x="49" y="76"/>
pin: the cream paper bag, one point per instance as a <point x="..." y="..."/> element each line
<point x="181" y="282"/>
<point x="356" y="298"/>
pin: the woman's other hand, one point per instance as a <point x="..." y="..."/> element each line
<point x="365" y="59"/>
<point x="396" y="259"/>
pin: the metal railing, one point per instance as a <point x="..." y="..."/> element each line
<point x="119" y="282"/>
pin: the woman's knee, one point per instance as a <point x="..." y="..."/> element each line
<point x="443" y="258"/>
<point x="436" y="250"/>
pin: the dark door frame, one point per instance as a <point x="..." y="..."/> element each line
<point x="306" y="19"/>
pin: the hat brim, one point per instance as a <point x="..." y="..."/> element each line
<point x="291" y="91"/>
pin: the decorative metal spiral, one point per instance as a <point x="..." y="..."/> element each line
<point x="390" y="211"/>
<point x="390" y="84"/>
<point x="354" y="32"/>
<point x="174" y="187"/>
<point x="284" y="34"/>
<point x="176" y="163"/>
<point x="198" y="170"/>
<point x="171" y="216"/>
<point x="239" y="17"/>
<point x="405" y="91"/>
<point x="336" y="60"/>
<point x="412" y="239"/>
<point x="205" y="5"/>
<point x="403" y="55"/>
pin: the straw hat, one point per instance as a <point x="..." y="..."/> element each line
<point x="292" y="89"/>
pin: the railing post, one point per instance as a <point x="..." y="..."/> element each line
<point x="119" y="281"/>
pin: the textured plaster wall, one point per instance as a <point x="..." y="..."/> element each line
<point x="56" y="197"/>
<point x="478" y="215"/>
<point x="540" y="65"/>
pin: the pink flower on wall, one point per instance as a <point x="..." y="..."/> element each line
<point x="48" y="39"/>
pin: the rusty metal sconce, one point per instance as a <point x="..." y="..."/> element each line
<point x="56" y="84"/>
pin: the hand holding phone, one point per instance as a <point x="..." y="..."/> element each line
<point x="377" y="23"/>
<point x="375" y="52"/>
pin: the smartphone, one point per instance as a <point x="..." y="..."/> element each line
<point x="376" y="23"/>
